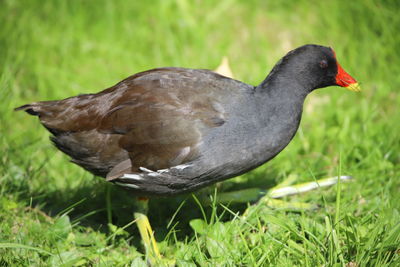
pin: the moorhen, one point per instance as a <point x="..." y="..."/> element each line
<point x="167" y="131"/>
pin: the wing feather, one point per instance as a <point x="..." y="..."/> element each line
<point x="161" y="127"/>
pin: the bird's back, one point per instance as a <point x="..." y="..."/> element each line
<point x="155" y="119"/>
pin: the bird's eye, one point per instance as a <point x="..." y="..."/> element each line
<point x="323" y="64"/>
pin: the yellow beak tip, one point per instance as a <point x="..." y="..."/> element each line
<point x="355" y="87"/>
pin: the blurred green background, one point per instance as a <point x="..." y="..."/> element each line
<point x="53" y="213"/>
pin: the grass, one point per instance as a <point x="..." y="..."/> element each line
<point x="53" y="213"/>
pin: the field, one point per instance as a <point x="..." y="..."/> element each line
<point x="53" y="213"/>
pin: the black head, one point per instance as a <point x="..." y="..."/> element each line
<point x="312" y="67"/>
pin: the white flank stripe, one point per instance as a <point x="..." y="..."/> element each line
<point x="145" y="169"/>
<point x="132" y="176"/>
<point x="154" y="174"/>
<point x="127" y="185"/>
<point x="181" y="167"/>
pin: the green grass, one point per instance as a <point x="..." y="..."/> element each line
<point x="54" y="213"/>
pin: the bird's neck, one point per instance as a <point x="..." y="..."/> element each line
<point x="286" y="82"/>
<point x="279" y="107"/>
<point x="281" y="96"/>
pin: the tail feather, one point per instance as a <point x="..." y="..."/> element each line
<point x="41" y="108"/>
<point x="76" y="135"/>
<point x="47" y="113"/>
<point x="32" y="109"/>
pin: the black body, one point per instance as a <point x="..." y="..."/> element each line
<point x="173" y="130"/>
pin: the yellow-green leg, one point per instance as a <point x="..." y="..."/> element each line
<point x="286" y="188"/>
<point x="153" y="255"/>
<point x="146" y="233"/>
<point x="271" y="196"/>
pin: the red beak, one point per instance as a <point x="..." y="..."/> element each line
<point x="344" y="79"/>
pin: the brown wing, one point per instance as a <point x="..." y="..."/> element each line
<point x="160" y="127"/>
<point x="155" y="119"/>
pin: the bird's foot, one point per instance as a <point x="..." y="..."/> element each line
<point x="146" y="232"/>
<point x="153" y="255"/>
<point x="286" y="189"/>
<point x="271" y="197"/>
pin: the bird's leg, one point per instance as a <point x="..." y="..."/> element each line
<point x="270" y="196"/>
<point x="150" y="244"/>
<point x="286" y="189"/>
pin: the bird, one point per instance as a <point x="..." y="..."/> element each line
<point x="170" y="130"/>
